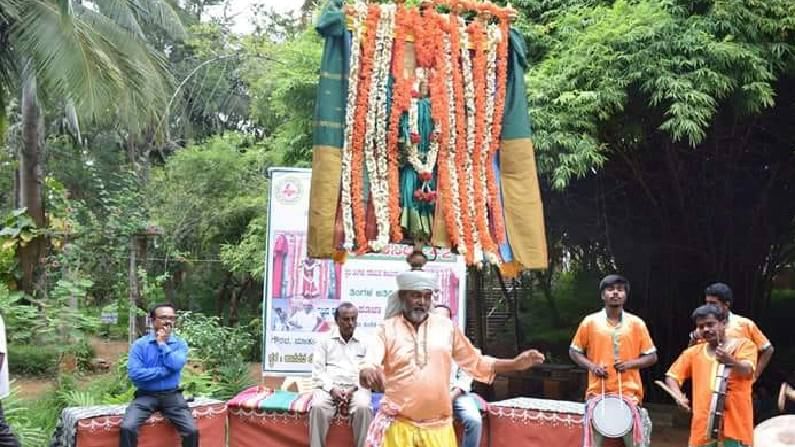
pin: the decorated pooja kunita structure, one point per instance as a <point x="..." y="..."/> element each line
<point x="422" y="134"/>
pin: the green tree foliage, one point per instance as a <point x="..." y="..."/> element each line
<point x="283" y="91"/>
<point x="97" y="56"/>
<point x="664" y="131"/>
<point x="679" y="62"/>
<point x="205" y="198"/>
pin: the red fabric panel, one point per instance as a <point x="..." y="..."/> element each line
<point x="103" y="431"/>
<point x="519" y="427"/>
<point x="256" y="429"/>
<point x="519" y="431"/>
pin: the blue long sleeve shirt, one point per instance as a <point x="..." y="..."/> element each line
<point x="153" y="367"/>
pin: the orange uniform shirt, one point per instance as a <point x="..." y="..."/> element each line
<point x="699" y="365"/>
<point x="603" y="342"/>
<point x="418" y="364"/>
<point x="738" y="326"/>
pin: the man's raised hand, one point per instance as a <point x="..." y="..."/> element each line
<point x="528" y="359"/>
<point x="162" y="335"/>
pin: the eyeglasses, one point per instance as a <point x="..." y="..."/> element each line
<point x="166" y="318"/>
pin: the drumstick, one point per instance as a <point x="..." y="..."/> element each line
<point x="667" y="389"/>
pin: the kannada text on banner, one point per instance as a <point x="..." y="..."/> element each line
<point x="301" y="293"/>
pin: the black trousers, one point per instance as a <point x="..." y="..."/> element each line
<point x="7" y="438"/>
<point x="173" y="407"/>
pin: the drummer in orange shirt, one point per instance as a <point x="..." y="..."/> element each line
<point x="737" y="326"/>
<point x="699" y="363"/>
<point x="614" y="344"/>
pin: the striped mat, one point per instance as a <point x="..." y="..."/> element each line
<point x="261" y="398"/>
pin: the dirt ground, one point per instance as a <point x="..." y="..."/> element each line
<point x="33" y="388"/>
<point x="669" y="437"/>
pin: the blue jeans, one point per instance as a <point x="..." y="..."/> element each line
<point x="466" y="411"/>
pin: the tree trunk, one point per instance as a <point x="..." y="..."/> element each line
<point x="30" y="190"/>
<point x="138" y="255"/>
<point x="135" y="292"/>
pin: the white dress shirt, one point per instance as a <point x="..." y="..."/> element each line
<point x="335" y="362"/>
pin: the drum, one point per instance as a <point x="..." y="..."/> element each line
<point x="612" y="417"/>
<point x="776" y="432"/>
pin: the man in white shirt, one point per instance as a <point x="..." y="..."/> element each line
<point x="335" y="373"/>
<point x="465" y="410"/>
<point x="308" y="320"/>
<point x="7" y="438"/>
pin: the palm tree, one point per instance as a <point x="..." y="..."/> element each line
<point x="92" y="58"/>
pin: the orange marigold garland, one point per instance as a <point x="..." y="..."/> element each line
<point x="365" y="77"/>
<point x="424" y="42"/>
<point x="358" y="13"/>
<point x="401" y="90"/>
<point x="495" y="201"/>
<point x="476" y="32"/>
<point x="468" y="249"/>
<point x="439" y="111"/>
<point x="447" y="168"/>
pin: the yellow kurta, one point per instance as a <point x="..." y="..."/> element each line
<point x="417" y="366"/>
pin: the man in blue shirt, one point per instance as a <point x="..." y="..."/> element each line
<point x="154" y="366"/>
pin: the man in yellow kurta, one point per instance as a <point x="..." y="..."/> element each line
<point x="416" y="350"/>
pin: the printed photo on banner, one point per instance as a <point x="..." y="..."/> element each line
<point x="301" y="294"/>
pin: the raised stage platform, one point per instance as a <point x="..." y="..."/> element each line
<point x="99" y="426"/>
<point x="254" y="422"/>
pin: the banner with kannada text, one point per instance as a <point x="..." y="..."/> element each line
<point x="302" y="293"/>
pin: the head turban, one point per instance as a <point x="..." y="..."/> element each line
<point x="411" y="280"/>
<point x="416" y="281"/>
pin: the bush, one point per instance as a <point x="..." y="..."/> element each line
<point x="213" y="344"/>
<point x="83" y="353"/>
<point x="30" y="360"/>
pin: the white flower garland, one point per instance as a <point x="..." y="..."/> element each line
<point x="381" y="148"/>
<point x="360" y="10"/>
<point x="375" y="126"/>
<point x="491" y="92"/>
<point x="413" y="152"/>
<point x="455" y="199"/>
<point x="469" y="95"/>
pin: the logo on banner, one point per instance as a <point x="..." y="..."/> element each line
<point x="288" y="190"/>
